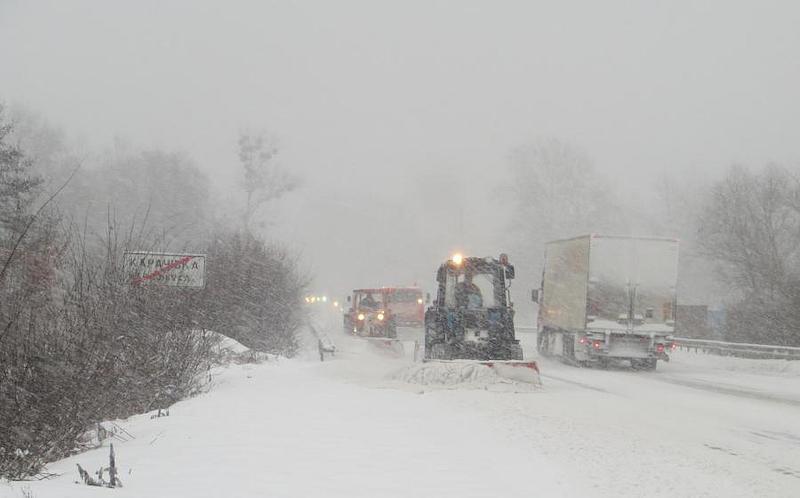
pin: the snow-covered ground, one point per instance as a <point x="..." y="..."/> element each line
<point x="699" y="426"/>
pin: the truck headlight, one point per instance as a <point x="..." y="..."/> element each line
<point x="361" y="316"/>
<point x="380" y="317"/>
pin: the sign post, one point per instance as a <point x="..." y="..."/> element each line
<point x="170" y="269"/>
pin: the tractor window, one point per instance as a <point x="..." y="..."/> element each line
<point x="472" y="292"/>
<point x="485" y="283"/>
<point x="450" y="290"/>
<point x="372" y="300"/>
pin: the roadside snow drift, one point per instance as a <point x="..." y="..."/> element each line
<point x="290" y="430"/>
<point x="369" y="425"/>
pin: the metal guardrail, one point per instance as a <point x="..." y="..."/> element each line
<point x="738" y="349"/>
<point x="721" y="348"/>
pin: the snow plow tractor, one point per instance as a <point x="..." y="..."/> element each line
<point x="472" y="318"/>
<point x="370" y="318"/>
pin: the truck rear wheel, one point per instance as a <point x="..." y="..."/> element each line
<point x="542" y="343"/>
<point x="438" y="352"/>
<point x="516" y="352"/>
<point x="644" y="364"/>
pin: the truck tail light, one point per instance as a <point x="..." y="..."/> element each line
<point x="659" y="348"/>
<point x="597" y="344"/>
<point x="673" y="346"/>
<point x="583" y="340"/>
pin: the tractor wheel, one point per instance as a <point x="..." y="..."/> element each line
<point x="515" y="352"/>
<point x="438" y="352"/>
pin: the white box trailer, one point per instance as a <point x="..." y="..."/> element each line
<point x="608" y="297"/>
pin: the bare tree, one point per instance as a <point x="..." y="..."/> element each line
<point x="673" y="212"/>
<point x="554" y="192"/>
<point x="19" y="185"/>
<point x="751" y="227"/>
<point x="264" y="179"/>
<point x="163" y="190"/>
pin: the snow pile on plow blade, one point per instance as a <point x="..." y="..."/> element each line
<point x="390" y="347"/>
<point x="472" y="373"/>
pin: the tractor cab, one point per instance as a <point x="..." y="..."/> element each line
<point x="472" y="316"/>
<point x="369" y="314"/>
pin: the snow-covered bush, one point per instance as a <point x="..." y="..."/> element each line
<point x="91" y="348"/>
<point x="78" y="343"/>
<point x="253" y="293"/>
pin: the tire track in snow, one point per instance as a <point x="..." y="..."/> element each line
<point x="731" y="391"/>
<point x="576" y="383"/>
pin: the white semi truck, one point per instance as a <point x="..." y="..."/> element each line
<point x="608" y="297"/>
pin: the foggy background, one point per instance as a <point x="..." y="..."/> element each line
<point x="402" y="119"/>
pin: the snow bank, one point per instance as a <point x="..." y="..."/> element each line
<point x="228" y="350"/>
<point x="778" y="368"/>
<point x="226" y="344"/>
<point x="289" y="430"/>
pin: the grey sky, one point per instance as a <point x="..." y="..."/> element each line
<point x="375" y="96"/>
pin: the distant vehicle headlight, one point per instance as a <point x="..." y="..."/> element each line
<point x="419" y="301"/>
<point x="380" y="316"/>
<point x="361" y="316"/>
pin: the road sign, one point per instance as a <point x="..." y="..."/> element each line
<point x="170" y="269"/>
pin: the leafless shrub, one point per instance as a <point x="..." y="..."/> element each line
<point x="253" y="293"/>
<point x="91" y="347"/>
<point x="80" y="344"/>
<point x="751" y="227"/>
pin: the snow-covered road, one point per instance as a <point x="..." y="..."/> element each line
<point x="699" y="426"/>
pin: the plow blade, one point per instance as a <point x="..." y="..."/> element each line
<point x="471" y="371"/>
<point x="389" y="347"/>
<point x="517" y="370"/>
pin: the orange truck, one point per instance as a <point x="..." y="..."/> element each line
<point x="407" y="305"/>
<point x="378" y="312"/>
